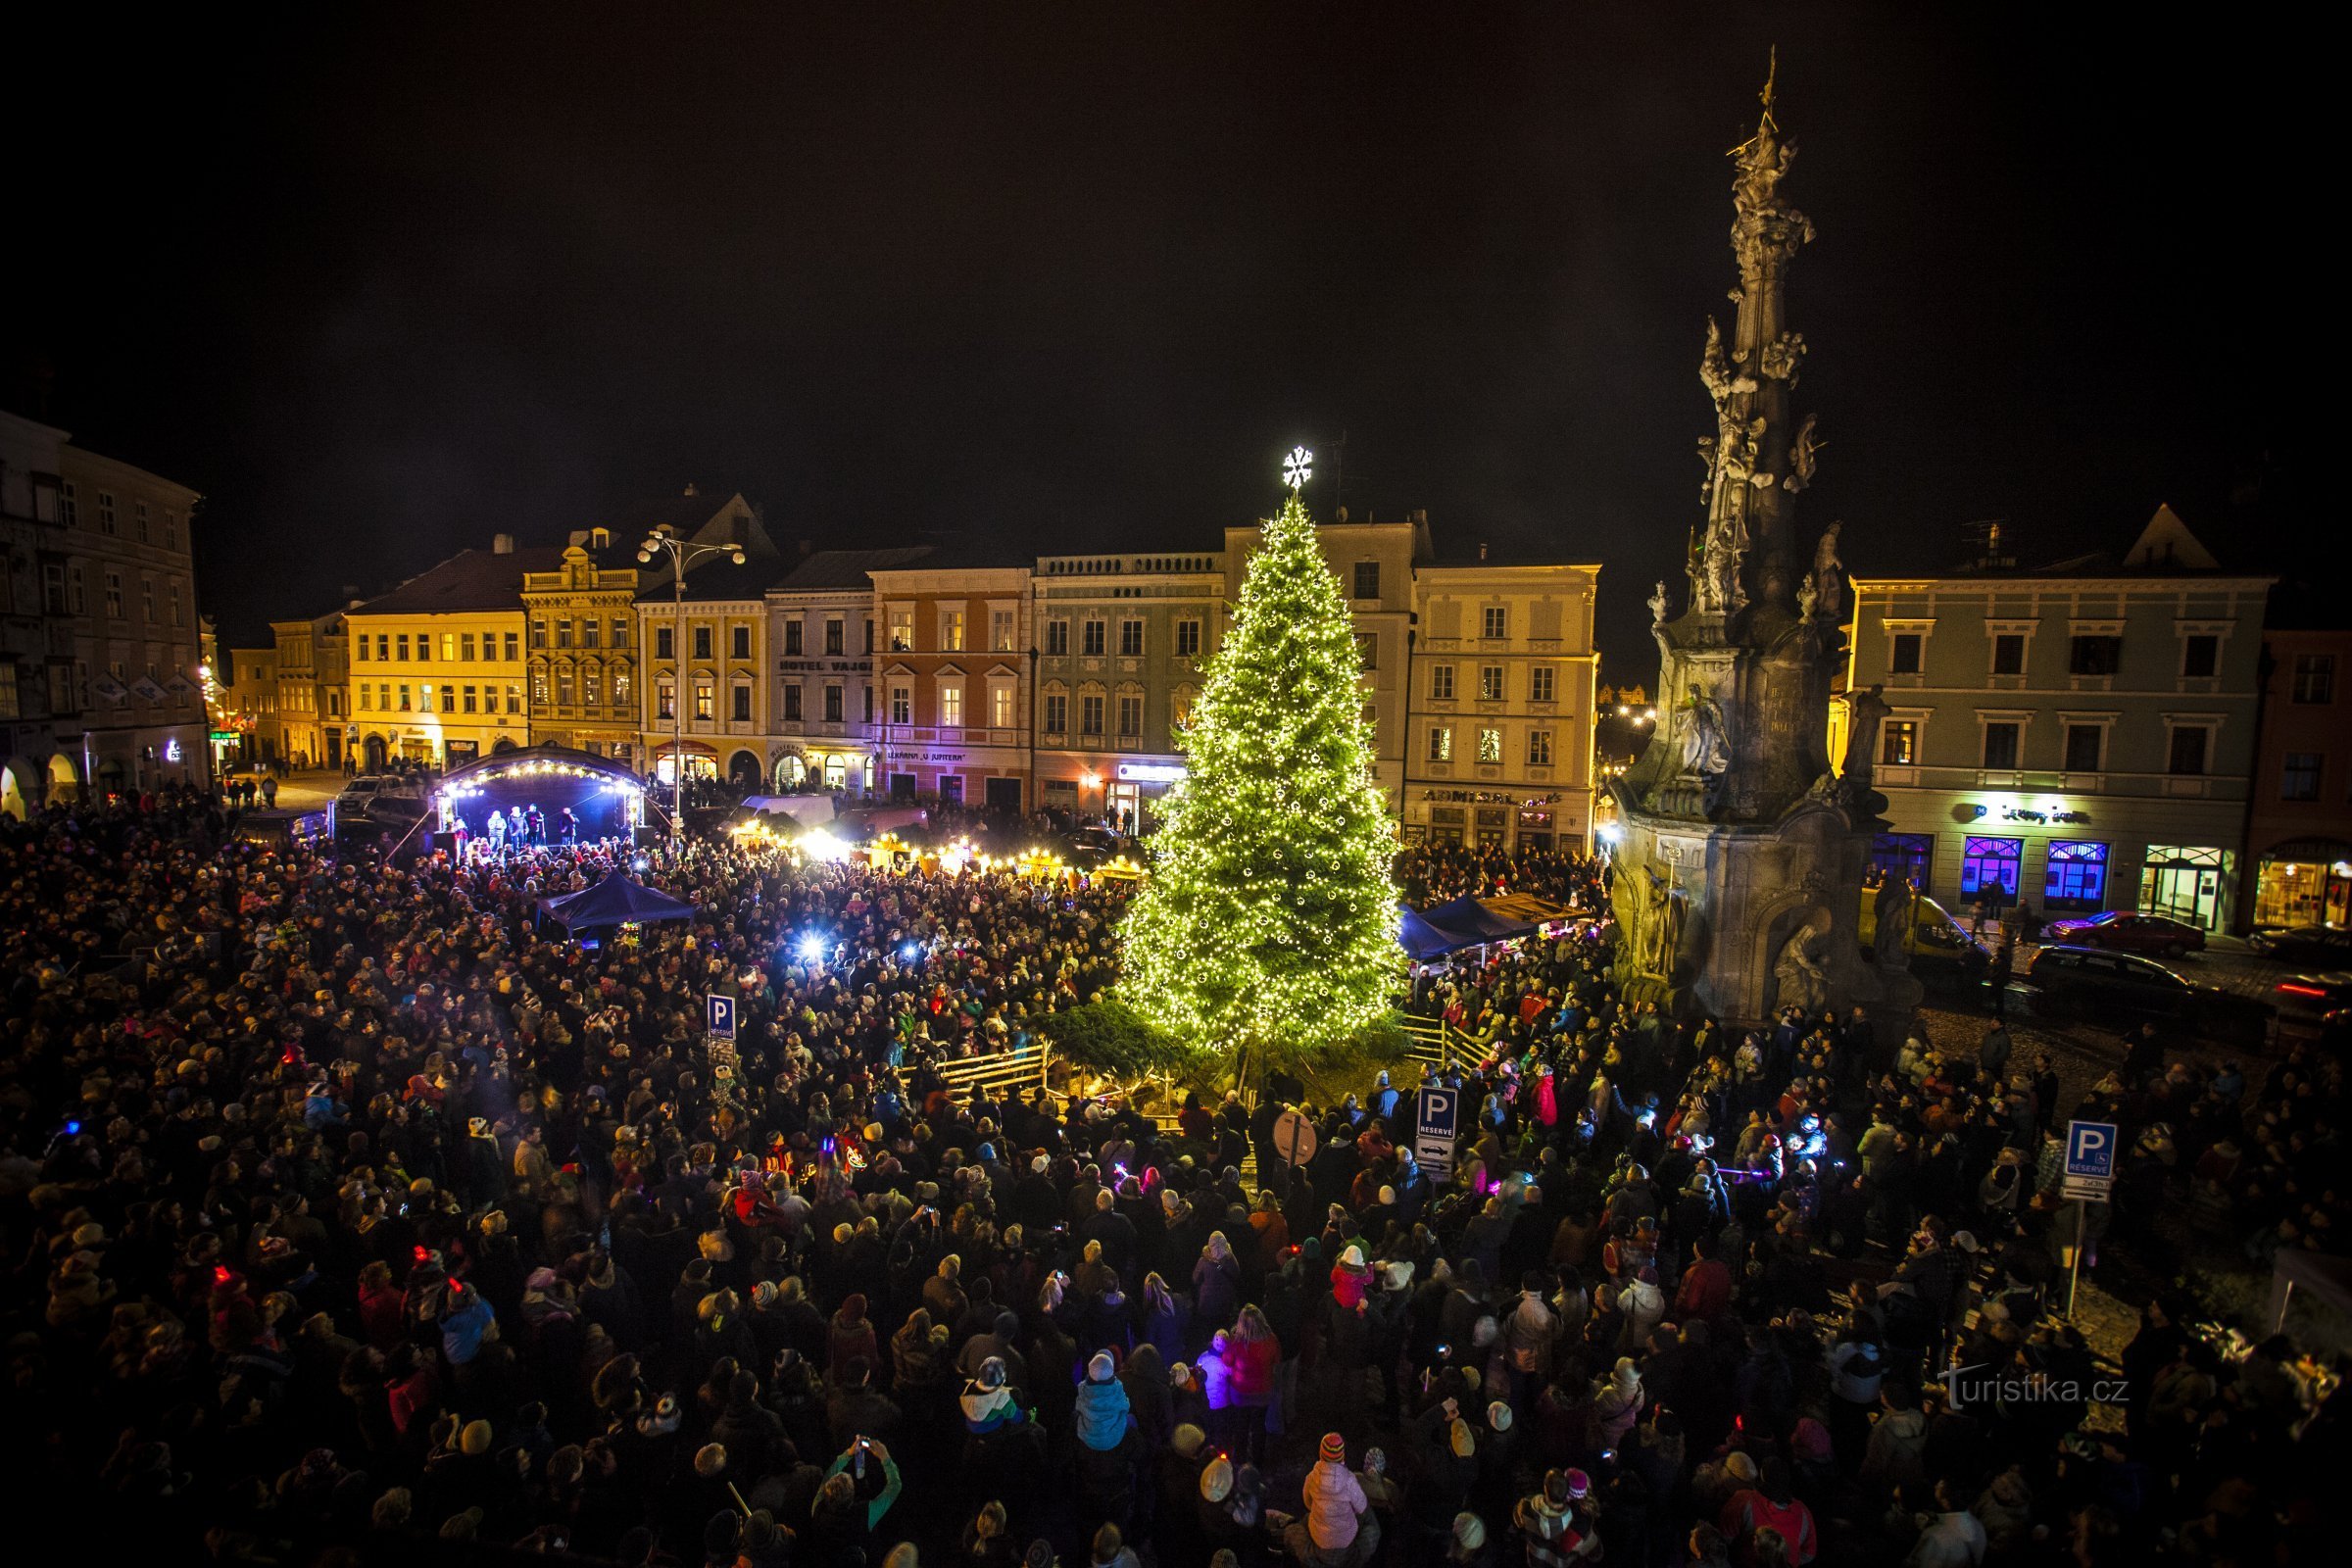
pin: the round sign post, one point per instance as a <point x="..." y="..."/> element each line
<point x="1293" y="1139"/>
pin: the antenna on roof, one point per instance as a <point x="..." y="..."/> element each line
<point x="1988" y="542"/>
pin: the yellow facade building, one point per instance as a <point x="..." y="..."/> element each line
<point x="439" y="667"/>
<point x="583" y="689"/>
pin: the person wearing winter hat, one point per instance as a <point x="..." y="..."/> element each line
<point x="1466" y="1541"/>
<point x="1216" y="1480"/>
<point x="1102" y="1411"/>
<point x="474" y="1440"/>
<point x="1545" y="1517"/>
<point x="1350" y="1277"/>
<point x="1338" y="1530"/>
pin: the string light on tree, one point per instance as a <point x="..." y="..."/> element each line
<point x="1268" y="928"/>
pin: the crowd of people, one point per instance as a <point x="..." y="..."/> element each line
<point x="351" y="1212"/>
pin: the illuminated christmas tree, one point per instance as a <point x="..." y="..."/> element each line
<point x="1268" y="927"/>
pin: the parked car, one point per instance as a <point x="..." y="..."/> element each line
<point x="2314" y="946"/>
<point x="2070" y="981"/>
<point x="2122" y="931"/>
<point x="2304" y="1000"/>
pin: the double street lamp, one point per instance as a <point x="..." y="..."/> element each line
<point x="682" y="553"/>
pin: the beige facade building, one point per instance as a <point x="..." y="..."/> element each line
<point x="124" y="689"/>
<point x="438" y="667"/>
<point x="314" y="684"/>
<point x="953" y="644"/>
<point x="246" y="707"/>
<point x="822" y="636"/>
<point x="583" y="690"/>
<point x="1121" y="640"/>
<point x="1501" y="705"/>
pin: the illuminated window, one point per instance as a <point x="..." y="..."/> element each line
<point x="705" y="699"/>
<point x="902" y="631"/>
<point x="2076" y="876"/>
<point x="1180" y="706"/>
<point x="1001" y="705"/>
<point x="1989" y="865"/>
<point x="999" y="631"/>
<point x="449" y="648"/>
<point x="1898" y="743"/>
<point x="665" y="703"/>
<point x="1489" y="745"/>
<point x="1440" y="744"/>
<point x="951" y="703"/>
<point x="1538" y="748"/>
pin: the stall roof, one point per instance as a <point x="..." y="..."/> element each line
<point x="618" y="900"/>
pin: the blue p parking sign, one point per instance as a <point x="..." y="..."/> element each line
<point x="2090" y="1150"/>
<point x="718" y="1015"/>
<point x="1433" y="1136"/>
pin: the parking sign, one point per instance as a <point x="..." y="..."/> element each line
<point x="718" y="1015"/>
<point x="2090" y="1150"/>
<point x="1441" y="1114"/>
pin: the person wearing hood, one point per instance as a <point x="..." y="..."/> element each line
<point x="989" y="1401"/>
<point x="1103" y="1411"/>
<point x="850" y="1337"/>
<point x="1617" y="1403"/>
<point x="1528" y="1331"/>
<point x="1897" y="1440"/>
<point x="1643" y="1306"/>
<point x="1149" y="1398"/>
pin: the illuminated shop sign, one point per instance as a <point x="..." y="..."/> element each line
<point x="2044" y="811"/>
<point x="1151" y="773"/>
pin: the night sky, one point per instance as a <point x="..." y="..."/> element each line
<point x="1073" y="277"/>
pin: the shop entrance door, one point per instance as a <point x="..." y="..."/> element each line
<point x="1122" y="807"/>
<point x="2184" y="882"/>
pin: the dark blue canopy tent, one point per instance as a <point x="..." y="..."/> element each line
<point x="1469" y="922"/>
<point x="618" y="900"/>
<point x="1420" y="940"/>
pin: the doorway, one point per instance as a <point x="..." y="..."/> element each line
<point x="374" y="751"/>
<point x="2184" y="882"/>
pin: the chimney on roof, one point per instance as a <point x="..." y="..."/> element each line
<point x="690" y="489"/>
<point x="501" y="544"/>
<point x="1481" y="550"/>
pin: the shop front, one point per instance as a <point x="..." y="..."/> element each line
<point x="2304" y="882"/>
<point x="958" y="776"/>
<point x="700" y="760"/>
<point x="2188" y="882"/>
<point x="1491" y="819"/>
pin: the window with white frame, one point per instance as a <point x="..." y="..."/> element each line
<point x="951" y="703"/>
<point x="1494" y="621"/>
<point x="1538" y="748"/>
<point x="1540" y="683"/>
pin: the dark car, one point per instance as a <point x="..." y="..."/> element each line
<point x="2122" y="931"/>
<point x="2070" y="981"/>
<point x="2323" y="946"/>
<point x="2304" y="1001"/>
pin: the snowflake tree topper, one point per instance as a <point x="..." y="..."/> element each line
<point x="1298" y="468"/>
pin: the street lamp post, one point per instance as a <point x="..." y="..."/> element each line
<point x="682" y="553"/>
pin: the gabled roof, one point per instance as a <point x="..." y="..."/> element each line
<point x="832" y="569"/>
<point x="472" y="579"/>
<point x="2166" y="544"/>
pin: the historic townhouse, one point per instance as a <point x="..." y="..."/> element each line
<point x="1499" y="748"/>
<point x="1120" y="644"/>
<point x="953" y="646"/>
<point x="438" y="666"/>
<point x="313" y="677"/>
<point x="2299" y="829"/>
<point x="822" y="638"/>
<point x="584" y="650"/>
<point x="2079" y="736"/>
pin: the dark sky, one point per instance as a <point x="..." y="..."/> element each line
<point x="1073" y="276"/>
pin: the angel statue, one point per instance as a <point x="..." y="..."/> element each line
<point x="1713" y="369"/>
<point x="1659" y="604"/>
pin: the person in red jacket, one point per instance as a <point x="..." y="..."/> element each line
<point x="1251" y="1355"/>
<point x="1705" y="1293"/>
<point x="1771" y="1504"/>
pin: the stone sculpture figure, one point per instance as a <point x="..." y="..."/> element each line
<point x="1892" y="913"/>
<point x="1801" y="451"/>
<point x="1659" y="604"/>
<point x="1865" y="712"/>
<point x="1667" y="905"/>
<point x="1707" y="751"/>
<point x="1784" y="357"/>
<point x="1829" y="573"/>
<point x="1801" y="980"/>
